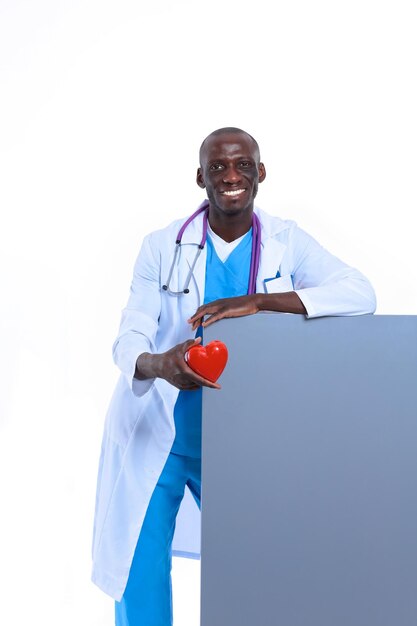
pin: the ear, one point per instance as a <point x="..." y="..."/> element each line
<point x="262" y="172"/>
<point x="200" y="179"/>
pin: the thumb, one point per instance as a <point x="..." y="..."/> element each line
<point x="192" y="342"/>
<point x="189" y="344"/>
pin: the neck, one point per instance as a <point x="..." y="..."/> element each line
<point x="230" y="227"/>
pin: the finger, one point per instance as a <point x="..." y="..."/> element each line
<point x="189" y="343"/>
<point x="185" y="380"/>
<point x="204" y="382"/>
<point x="210" y="385"/>
<point x="196" y="340"/>
<point x="197" y="315"/>
<point x="195" y="378"/>
<point x="197" y="323"/>
<point x="196" y="320"/>
<point x="203" y="310"/>
<point x="213" y="318"/>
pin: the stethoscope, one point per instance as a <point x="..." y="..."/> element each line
<point x="255" y="256"/>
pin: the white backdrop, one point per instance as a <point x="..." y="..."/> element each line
<point x="103" y="106"/>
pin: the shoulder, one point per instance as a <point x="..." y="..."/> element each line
<point x="274" y="226"/>
<point x="156" y="245"/>
<point x="173" y="226"/>
<point x="167" y="233"/>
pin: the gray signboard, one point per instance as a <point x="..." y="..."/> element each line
<point x="309" y="503"/>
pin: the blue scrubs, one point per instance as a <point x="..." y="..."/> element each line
<point x="147" y="599"/>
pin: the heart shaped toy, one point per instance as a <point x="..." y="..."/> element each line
<point x="208" y="361"/>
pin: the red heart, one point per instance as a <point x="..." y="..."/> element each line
<point x="208" y="361"/>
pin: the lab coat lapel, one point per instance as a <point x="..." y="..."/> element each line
<point x="272" y="250"/>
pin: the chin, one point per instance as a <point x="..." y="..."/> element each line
<point x="234" y="204"/>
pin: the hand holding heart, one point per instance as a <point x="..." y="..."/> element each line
<point x="206" y="364"/>
<point x="209" y="361"/>
<point x="172" y="366"/>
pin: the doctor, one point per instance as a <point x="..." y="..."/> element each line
<point x="230" y="259"/>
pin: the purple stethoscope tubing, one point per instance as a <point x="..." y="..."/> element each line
<point x="255" y="256"/>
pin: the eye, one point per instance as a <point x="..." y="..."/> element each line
<point x="245" y="164"/>
<point x="216" y="167"/>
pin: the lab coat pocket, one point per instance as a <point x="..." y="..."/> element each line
<point x="280" y="284"/>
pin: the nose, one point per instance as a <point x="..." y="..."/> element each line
<point x="231" y="175"/>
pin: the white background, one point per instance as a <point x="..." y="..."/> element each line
<point x="103" y="106"/>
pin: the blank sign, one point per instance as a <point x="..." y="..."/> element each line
<point x="309" y="513"/>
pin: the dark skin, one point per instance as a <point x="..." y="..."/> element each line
<point x="230" y="171"/>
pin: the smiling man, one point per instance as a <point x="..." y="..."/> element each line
<point x="230" y="171"/>
<point x="227" y="260"/>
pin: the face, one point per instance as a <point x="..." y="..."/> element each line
<point x="230" y="172"/>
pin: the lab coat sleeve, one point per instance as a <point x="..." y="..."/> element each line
<point x="326" y="285"/>
<point x="139" y="323"/>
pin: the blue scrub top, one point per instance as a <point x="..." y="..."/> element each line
<point x="223" y="280"/>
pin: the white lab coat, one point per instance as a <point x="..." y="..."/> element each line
<point x="139" y="428"/>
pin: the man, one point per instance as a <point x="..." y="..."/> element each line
<point x="249" y="262"/>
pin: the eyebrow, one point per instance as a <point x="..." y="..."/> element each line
<point x="237" y="158"/>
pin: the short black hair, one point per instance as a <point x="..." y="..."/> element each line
<point x="230" y="130"/>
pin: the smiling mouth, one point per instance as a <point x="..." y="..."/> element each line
<point x="233" y="192"/>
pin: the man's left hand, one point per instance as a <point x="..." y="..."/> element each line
<point x="226" y="307"/>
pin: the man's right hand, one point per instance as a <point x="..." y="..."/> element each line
<point x="172" y="367"/>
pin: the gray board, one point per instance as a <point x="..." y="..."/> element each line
<point x="309" y="503"/>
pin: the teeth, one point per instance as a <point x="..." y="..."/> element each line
<point x="235" y="192"/>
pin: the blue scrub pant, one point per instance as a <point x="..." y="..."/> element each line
<point x="147" y="599"/>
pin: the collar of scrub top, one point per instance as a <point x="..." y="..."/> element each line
<point x="255" y="256"/>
